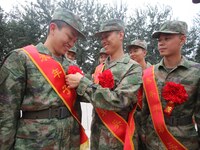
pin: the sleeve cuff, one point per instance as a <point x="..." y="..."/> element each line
<point x="83" y="85"/>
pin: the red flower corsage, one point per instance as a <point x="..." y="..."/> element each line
<point x="175" y="94"/>
<point x="73" y="69"/>
<point x="106" y="79"/>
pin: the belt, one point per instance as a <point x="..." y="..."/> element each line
<point x="59" y="112"/>
<point x="175" y="121"/>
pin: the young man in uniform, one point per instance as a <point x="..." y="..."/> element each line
<point x="102" y="58"/>
<point x="102" y="55"/>
<point x="172" y="89"/>
<point x="138" y="51"/>
<point x="113" y="103"/>
<point x="33" y="82"/>
<point x="71" y="53"/>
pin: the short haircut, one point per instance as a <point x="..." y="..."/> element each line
<point x="58" y="23"/>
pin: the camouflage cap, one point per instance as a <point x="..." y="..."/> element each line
<point x="73" y="50"/>
<point x="102" y="51"/>
<point x="70" y="18"/>
<point x="139" y="43"/>
<point x="111" y="25"/>
<point x="172" y="27"/>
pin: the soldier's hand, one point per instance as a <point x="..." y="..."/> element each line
<point x="73" y="80"/>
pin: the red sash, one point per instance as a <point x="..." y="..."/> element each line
<point x="55" y="75"/>
<point x="121" y="129"/>
<point x="156" y="111"/>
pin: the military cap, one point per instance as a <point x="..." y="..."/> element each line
<point x="70" y="18"/>
<point x="111" y="25"/>
<point x="73" y="50"/>
<point x="102" y="51"/>
<point x="172" y="27"/>
<point x="139" y="43"/>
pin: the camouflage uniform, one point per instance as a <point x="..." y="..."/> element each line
<point x="180" y="122"/>
<point x="127" y="76"/>
<point x="23" y="87"/>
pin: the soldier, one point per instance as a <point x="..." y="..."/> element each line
<point x="113" y="103"/>
<point x="172" y="94"/>
<point x="28" y="82"/>
<point x="71" y="53"/>
<point x="102" y="55"/>
<point x="137" y="51"/>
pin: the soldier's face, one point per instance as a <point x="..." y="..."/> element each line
<point x="102" y="57"/>
<point x="63" y="39"/>
<point x="111" y="41"/>
<point x="71" y="55"/>
<point x="170" y="44"/>
<point x="136" y="53"/>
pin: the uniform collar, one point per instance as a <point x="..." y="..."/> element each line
<point x="183" y="63"/>
<point x="125" y="59"/>
<point x="44" y="50"/>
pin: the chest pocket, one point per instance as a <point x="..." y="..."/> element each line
<point x="119" y="72"/>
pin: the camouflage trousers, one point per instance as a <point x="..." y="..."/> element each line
<point x="47" y="134"/>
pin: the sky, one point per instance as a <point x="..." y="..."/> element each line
<point x="183" y="10"/>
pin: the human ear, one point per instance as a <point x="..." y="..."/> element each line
<point x="121" y="34"/>
<point x="183" y="40"/>
<point x="145" y="52"/>
<point x="52" y="28"/>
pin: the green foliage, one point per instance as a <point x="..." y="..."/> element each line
<point x="28" y="25"/>
<point x="2" y="34"/>
<point x="197" y="28"/>
<point x="143" y="23"/>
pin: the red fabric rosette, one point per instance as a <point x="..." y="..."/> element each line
<point x="106" y="79"/>
<point x="73" y="69"/>
<point x="175" y="94"/>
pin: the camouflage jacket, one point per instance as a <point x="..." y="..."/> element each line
<point x="22" y="87"/>
<point x="127" y="77"/>
<point x="148" y="64"/>
<point x="187" y="73"/>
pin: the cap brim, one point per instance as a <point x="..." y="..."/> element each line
<point x="103" y="31"/>
<point x="131" y="45"/>
<point x="80" y="34"/>
<point x="103" y="53"/>
<point x="72" y="51"/>
<point x="157" y="33"/>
